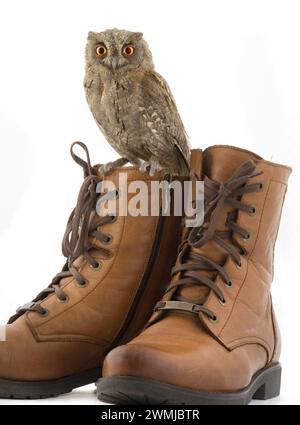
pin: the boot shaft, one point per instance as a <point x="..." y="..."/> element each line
<point x="248" y="315"/>
<point x="219" y="162"/>
<point x="119" y="293"/>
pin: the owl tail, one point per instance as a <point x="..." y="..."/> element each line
<point x="183" y="162"/>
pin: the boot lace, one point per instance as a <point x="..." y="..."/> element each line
<point x="83" y="225"/>
<point x="190" y="262"/>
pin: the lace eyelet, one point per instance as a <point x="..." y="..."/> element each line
<point x="223" y="302"/>
<point x="229" y="284"/>
<point x="64" y="300"/>
<point x="261" y="186"/>
<point x="253" y="212"/>
<point x="109" y="239"/>
<point x="214" y="319"/>
<point x="98" y="267"/>
<point x="44" y="313"/>
<point x="82" y="285"/>
<point x="113" y="218"/>
<point x="243" y="251"/>
<point x="239" y="266"/>
<point x="247" y="239"/>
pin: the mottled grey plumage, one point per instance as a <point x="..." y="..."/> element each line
<point x="132" y="103"/>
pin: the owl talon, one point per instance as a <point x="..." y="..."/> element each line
<point x="152" y="167"/>
<point x="144" y="167"/>
<point x="105" y="169"/>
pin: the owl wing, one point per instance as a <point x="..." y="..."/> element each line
<point x="93" y="88"/>
<point x="87" y="84"/>
<point x="90" y="82"/>
<point x="162" y="115"/>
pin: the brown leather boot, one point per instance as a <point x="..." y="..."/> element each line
<point x="115" y="273"/>
<point x="213" y="338"/>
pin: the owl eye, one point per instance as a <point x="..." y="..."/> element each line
<point x="101" y="51"/>
<point x="128" y="50"/>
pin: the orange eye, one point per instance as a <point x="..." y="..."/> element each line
<point x="128" y="50"/>
<point x="101" y="51"/>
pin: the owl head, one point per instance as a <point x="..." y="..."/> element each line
<point x="117" y="50"/>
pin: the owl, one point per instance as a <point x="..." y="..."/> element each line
<point x="132" y="104"/>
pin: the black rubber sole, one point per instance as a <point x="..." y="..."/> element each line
<point x="45" y="389"/>
<point x="128" y="390"/>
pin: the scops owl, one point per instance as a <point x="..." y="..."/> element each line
<point x="132" y="104"/>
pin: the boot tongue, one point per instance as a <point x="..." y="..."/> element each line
<point x="219" y="163"/>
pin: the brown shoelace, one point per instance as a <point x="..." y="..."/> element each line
<point x="216" y="196"/>
<point x="82" y="226"/>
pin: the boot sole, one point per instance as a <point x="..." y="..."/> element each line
<point x="129" y="390"/>
<point x="44" y="389"/>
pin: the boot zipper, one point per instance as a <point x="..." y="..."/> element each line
<point x="142" y="285"/>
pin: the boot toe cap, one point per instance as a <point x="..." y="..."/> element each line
<point x="207" y="367"/>
<point x="168" y="365"/>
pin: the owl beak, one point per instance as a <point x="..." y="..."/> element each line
<point x="114" y="63"/>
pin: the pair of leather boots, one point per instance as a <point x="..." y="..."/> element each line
<point x="165" y="314"/>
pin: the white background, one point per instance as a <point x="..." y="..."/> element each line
<point x="234" y="68"/>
